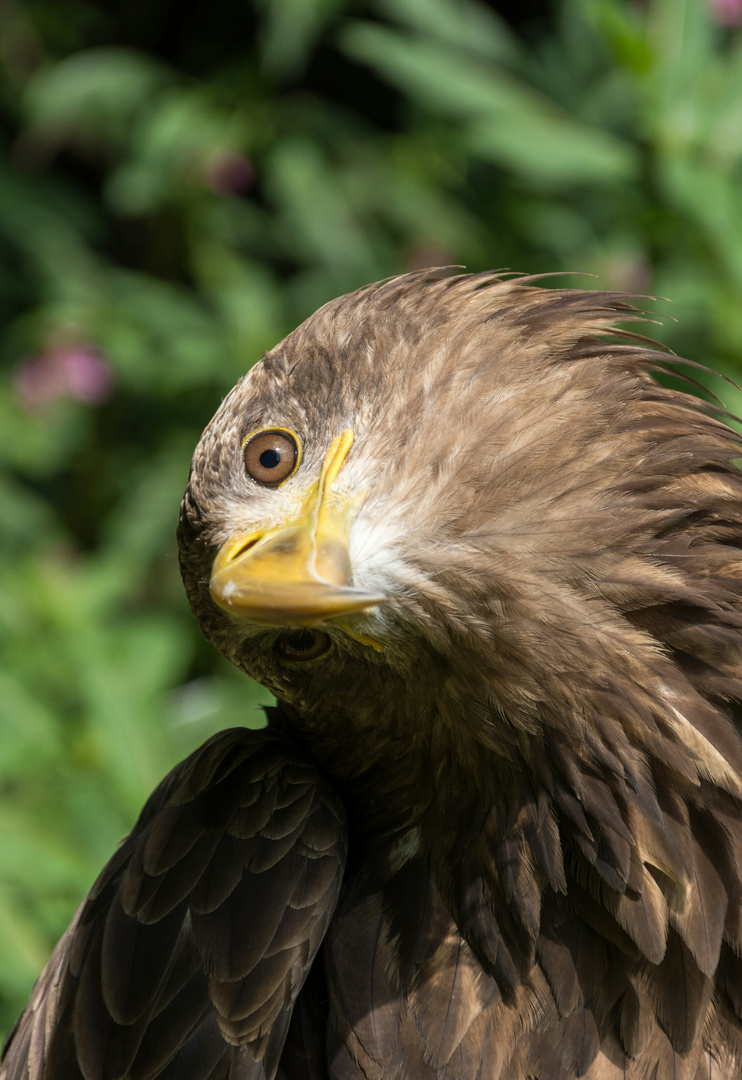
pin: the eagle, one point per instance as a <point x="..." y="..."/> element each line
<point x="488" y="560"/>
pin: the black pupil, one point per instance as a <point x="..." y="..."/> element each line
<point x="302" y="640"/>
<point x="270" y="458"/>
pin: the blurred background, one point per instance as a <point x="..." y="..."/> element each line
<point x="181" y="183"/>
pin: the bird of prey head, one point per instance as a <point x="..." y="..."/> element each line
<point x="490" y="567"/>
<point x="482" y="529"/>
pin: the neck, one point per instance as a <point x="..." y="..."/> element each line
<point x="432" y="766"/>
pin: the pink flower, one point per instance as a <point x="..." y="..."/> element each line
<point x="70" y="371"/>
<point x="726" y="12"/>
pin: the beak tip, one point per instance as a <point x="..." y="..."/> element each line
<point x="289" y="603"/>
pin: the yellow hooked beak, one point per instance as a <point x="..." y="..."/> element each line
<point x="299" y="573"/>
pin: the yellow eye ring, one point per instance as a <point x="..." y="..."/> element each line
<point x="271" y="455"/>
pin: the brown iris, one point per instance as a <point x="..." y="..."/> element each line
<point x="303" y="643"/>
<point x="271" y="456"/>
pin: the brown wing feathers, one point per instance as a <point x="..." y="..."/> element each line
<point x="411" y="997"/>
<point x="186" y="959"/>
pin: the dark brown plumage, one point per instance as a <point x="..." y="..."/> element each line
<point x="511" y="562"/>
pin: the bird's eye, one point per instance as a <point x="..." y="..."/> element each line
<point x="271" y="456"/>
<point x="303" y="644"/>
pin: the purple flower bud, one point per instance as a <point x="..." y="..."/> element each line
<point x="229" y="174"/>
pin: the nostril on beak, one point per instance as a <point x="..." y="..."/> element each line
<point x="245" y="547"/>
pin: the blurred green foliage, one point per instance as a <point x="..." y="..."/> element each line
<point x="166" y="214"/>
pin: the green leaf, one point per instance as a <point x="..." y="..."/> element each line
<point x="505" y="120"/>
<point x="316" y="208"/>
<point x="95" y="91"/>
<point x="292" y="27"/>
<point x="458" y="24"/>
<point x="709" y="197"/>
<point x="28" y="731"/>
<point x="551" y="150"/>
<point x="23" y="951"/>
